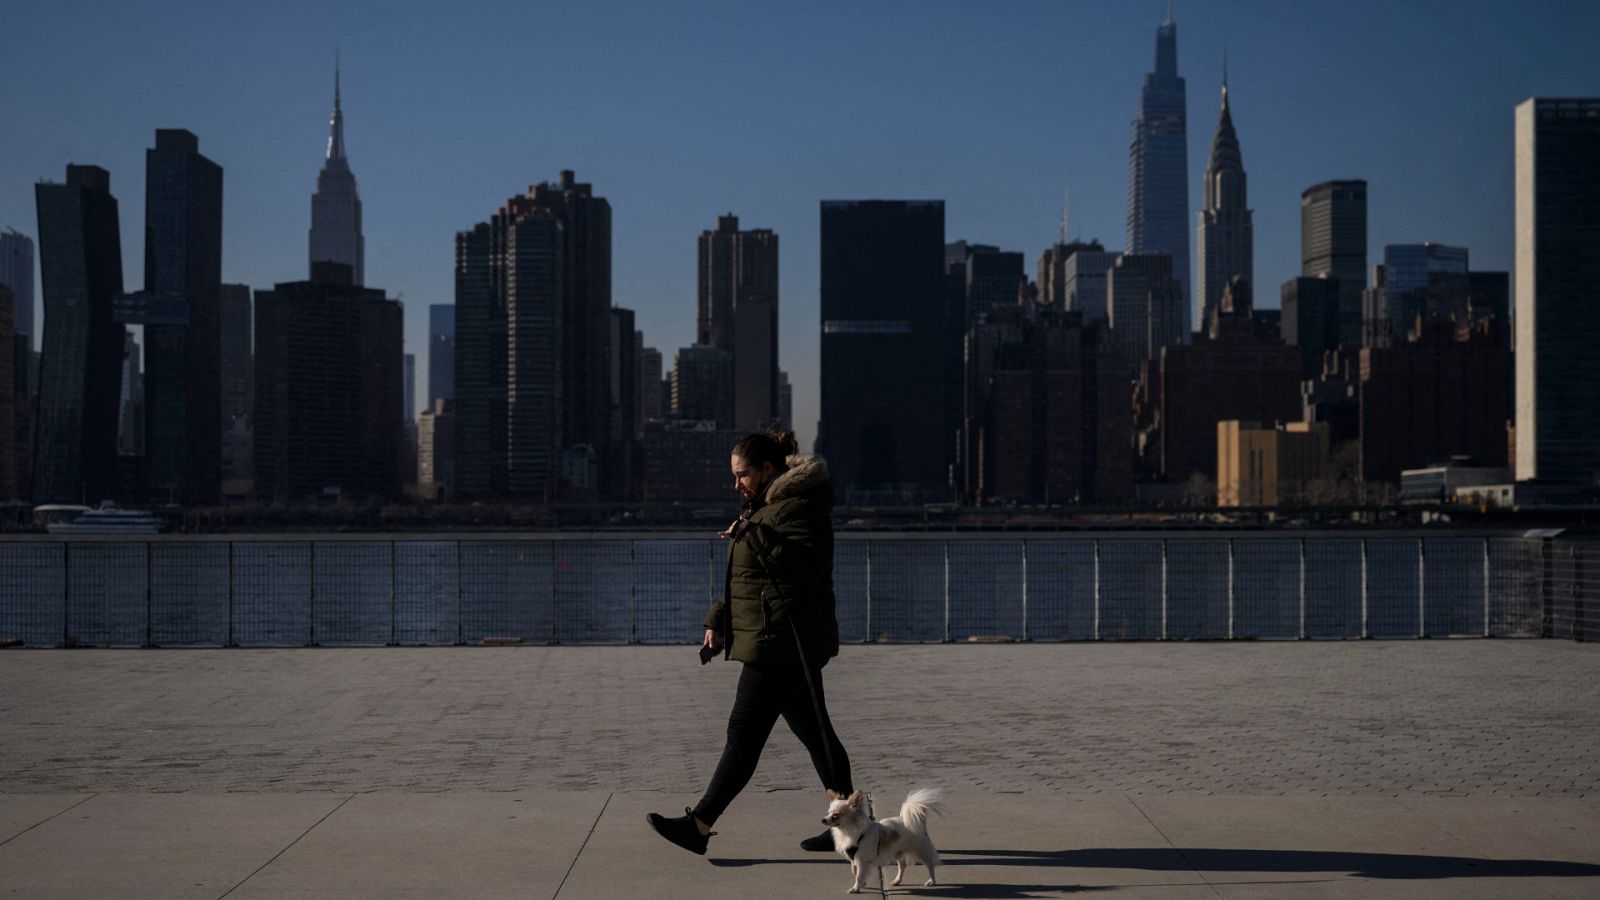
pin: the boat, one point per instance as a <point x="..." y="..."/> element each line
<point x="110" y="520"/>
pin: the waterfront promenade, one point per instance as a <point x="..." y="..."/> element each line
<point x="1444" y="768"/>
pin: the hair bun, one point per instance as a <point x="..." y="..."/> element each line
<point x="786" y="440"/>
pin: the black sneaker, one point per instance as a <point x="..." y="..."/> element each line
<point x="681" y="830"/>
<point x="819" y="843"/>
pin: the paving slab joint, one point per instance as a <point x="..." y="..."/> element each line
<point x="48" y="818"/>
<point x="287" y="846"/>
<point x="592" y="826"/>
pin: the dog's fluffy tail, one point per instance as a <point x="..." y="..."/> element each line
<point x="920" y="802"/>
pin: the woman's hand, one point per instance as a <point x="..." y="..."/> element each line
<point x="733" y="531"/>
<point x="711" y="640"/>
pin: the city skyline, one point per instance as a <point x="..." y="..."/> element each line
<point x="840" y="112"/>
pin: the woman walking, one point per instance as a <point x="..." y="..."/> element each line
<point x="776" y="618"/>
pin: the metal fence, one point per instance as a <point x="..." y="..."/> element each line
<point x="610" y="589"/>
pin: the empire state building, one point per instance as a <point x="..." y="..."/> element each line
<point x="336" y="206"/>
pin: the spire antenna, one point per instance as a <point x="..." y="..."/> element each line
<point x="336" y="121"/>
<point x="1169" y="12"/>
<point x="1224" y="76"/>
<point x="1066" y="194"/>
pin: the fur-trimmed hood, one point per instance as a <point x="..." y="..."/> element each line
<point x="807" y="474"/>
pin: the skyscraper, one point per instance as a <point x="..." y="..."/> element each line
<point x="702" y="385"/>
<point x="992" y="275"/>
<point x="441" y="352"/>
<point x="480" y="371"/>
<point x="785" y="402"/>
<point x="1158" y="167"/>
<point x="16" y="272"/>
<point x="1145" y="307"/>
<point x="584" y="324"/>
<point x="533" y="260"/>
<point x="1085" y="281"/>
<point x="329" y="390"/>
<point x="80" y="256"/>
<point x="238" y="383"/>
<point x="409" y="403"/>
<point x="883" y="425"/>
<point x="1408" y="271"/>
<point x="130" y="411"/>
<point x="738" y="312"/>
<point x="8" y="397"/>
<point x="181" y="314"/>
<point x="649" y="369"/>
<point x="436" y="451"/>
<point x="1333" y="243"/>
<point x="1310" y="319"/>
<point x="623" y="463"/>
<point x="1557" y="318"/>
<point x="1225" y="239"/>
<point x="336" y="206"/>
<point x="1052" y="270"/>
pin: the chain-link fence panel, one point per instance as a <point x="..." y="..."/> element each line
<point x="189" y="587"/>
<point x="33" y="593"/>
<point x="1516" y="586"/>
<point x="850" y="588"/>
<point x="508" y="591"/>
<point x="1197" y="588"/>
<point x="1393" y="582"/>
<point x="1266" y="588"/>
<point x="1453" y="586"/>
<point x="673" y="590"/>
<point x="1586" y="591"/>
<point x="1060" y="590"/>
<point x="353" y="593"/>
<point x="985" y="590"/>
<point x="1130" y="590"/>
<point x="907" y="590"/>
<point x="1333" y="588"/>
<point x="427" y="601"/>
<point x="594" y="592"/>
<point x="108" y="599"/>
<point x="271" y="593"/>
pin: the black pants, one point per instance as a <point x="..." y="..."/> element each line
<point x="764" y="694"/>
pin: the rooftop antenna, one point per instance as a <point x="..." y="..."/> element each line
<point x="1169" y="12"/>
<point x="1066" y="193"/>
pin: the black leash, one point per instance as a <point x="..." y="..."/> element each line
<point x="816" y="703"/>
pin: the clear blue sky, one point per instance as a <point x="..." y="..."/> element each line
<point x="680" y="111"/>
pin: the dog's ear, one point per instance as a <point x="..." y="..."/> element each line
<point x="834" y="795"/>
<point x="857" y="799"/>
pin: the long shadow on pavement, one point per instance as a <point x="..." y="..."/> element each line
<point x="1202" y="859"/>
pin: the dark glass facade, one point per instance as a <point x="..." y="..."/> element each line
<point x="883" y="427"/>
<point x="1158" y="167"/>
<point x="1408" y="272"/>
<point x="441" y="352"/>
<point x="480" y="362"/>
<point x="1311" y="320"/>
<point x="183" y="321"/>
<point x="533" y="264"/>
<point x="80" y="379"/>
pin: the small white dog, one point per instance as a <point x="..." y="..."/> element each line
<point x="902" y="840"/>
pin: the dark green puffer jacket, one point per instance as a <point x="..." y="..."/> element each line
<point x="780" y="573"/>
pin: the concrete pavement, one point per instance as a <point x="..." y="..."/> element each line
<point x="1392" y="769"/>
<point x="574" y="845"/>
